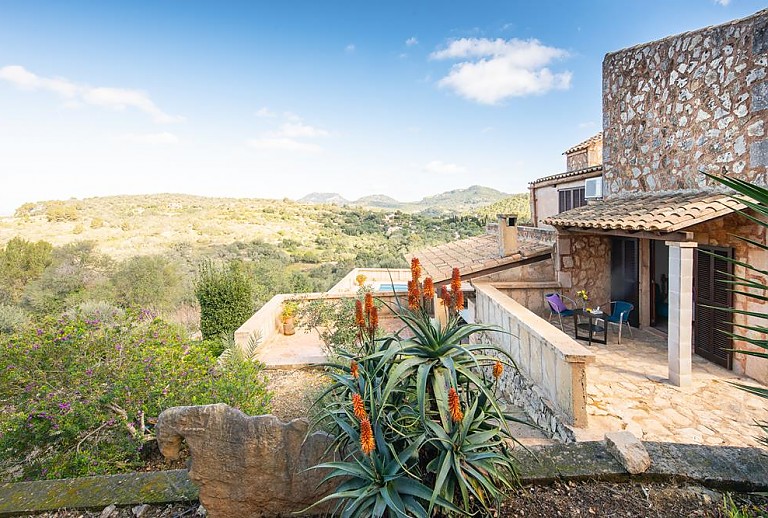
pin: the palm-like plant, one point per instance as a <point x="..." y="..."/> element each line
<point x="415" y="416"/>
<point x="748" y="285"/>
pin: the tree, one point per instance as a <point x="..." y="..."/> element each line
<point x="21" y="262"/>
<point x="149" y="281"/>
<point x="225" y="296"/>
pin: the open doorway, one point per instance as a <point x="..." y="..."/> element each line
<point x="659" y="285"/>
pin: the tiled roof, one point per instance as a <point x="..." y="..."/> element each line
<point x="584" y="145"/>
<point x="472" y="256"/>
<point x="587" y="172"/>
<point x="652" y="212"/>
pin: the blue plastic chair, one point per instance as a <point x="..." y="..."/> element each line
<point x="558" y="307"/>
<point x="620" y="311"/>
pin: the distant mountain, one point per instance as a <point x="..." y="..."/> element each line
<point x="324" y="197"/>
<point x="458" y="201"/>
<point x="379" y="201"/>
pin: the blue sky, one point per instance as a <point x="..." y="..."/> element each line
<point x="281" y="98"/>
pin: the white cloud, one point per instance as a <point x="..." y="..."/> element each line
<point x="349" y="49"/>
<point x="152" y="138"/>
<point x="291" y="135"/>
<point x="410" y="42"/>
<point x="724" y="3"/>
<point x="492" y="70"/>
<point x="107" y="97"/>
<point x="300" y="130"/>
<point x="265" y="113"/>
<point x="439" y="167"/>
<point x="284" y="144"/>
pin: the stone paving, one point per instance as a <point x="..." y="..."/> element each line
<point x="628" y="389"/>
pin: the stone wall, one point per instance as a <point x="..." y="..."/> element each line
<point x="575" y="161"/>
<point x="695" y="101"/>
<point x="722" y="232"/>
<point x="584" y="263"/>
<point x="551" y="382"/>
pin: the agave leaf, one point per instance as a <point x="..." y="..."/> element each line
<point x="394" y="501"/>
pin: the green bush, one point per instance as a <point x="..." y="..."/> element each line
<point x="147" y="281"/>
<point x="12" y="318"/>
<point x="21" y="262"/>
<point x="77" y="272"/>
<point x="225" y="295"/>
<point x="78" y="393"/>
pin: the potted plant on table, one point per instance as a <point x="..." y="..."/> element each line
<point x="288" y="317"/>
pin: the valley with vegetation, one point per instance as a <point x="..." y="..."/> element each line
<point x="100" y="306"/>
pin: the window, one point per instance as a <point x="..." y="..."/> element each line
<point x="570" y="198"/>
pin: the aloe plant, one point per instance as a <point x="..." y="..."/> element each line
<point x="755" y="198"/>
<point x="417" y="425"/>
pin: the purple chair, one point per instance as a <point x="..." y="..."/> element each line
<point x="558" y="307"/>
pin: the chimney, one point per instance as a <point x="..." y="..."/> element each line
<point x="507" y="234"/>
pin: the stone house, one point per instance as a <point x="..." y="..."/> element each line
<point x="673" y="109"/>
<point x="564" y="191"/>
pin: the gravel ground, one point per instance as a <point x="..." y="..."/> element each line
<point x="599" y="499"/>
<point x="294" y="391"/>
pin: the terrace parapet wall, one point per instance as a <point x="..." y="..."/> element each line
<point x="691" y="102"/>
<point x="551" y="383"/>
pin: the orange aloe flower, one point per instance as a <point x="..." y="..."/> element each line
<point x="446" y="296"/>
<point x="415" y="269"/>
<point x="359" y="407"/>
<point x="367" y="443"/>
<point x="498" y="369"/>
<point x="359" y="318"/>
<point x="354" y="369"/>
<point x="413" y="294"/>
<point x="368" y="304"/>
<point x="373" y="321"/>
<point x="454" y="405"/>
<point x="429" y="288"/>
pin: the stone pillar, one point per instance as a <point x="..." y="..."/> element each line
<point x="679" y="345"/>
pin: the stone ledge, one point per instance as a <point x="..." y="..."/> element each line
<point x="154" y="487"/>
<point x="720" y="467"/>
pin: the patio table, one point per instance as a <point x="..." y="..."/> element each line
<point x="591" y="327"/>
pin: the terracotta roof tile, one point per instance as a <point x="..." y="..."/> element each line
<point x="652" y="212"/>
<point x="472" y="255"/>
<point x="586" y="172"/>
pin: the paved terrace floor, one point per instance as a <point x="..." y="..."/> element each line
<point x="298" y="350"/>
<point x="628" y="389"/>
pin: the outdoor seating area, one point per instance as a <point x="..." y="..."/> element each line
<point x="628" y="389"/>
<point x="590" y="324"/>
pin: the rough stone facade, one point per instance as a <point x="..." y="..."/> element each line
<point x="575" y="161"/>
<point x="584" y="263"/>
<point x="691" y="102"/>
<point x="722" y="232"/>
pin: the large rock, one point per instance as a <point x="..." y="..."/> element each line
<point x="628" y="450"/>
<point x="246" y="466"/>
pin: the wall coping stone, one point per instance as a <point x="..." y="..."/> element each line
<point x="566" y="347"/>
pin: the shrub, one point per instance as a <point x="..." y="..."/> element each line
<point x="416" y="420"/>
<point x="147" y="281"/>
<point x="21" y="262"/>
<point x="79" y="394"/>
<point x="77" y="272"/>
<point x="60" y="211"/>
<point x="225" y="296"/>
<point x="12" y="318"/>
<point x="97" y="223"/>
